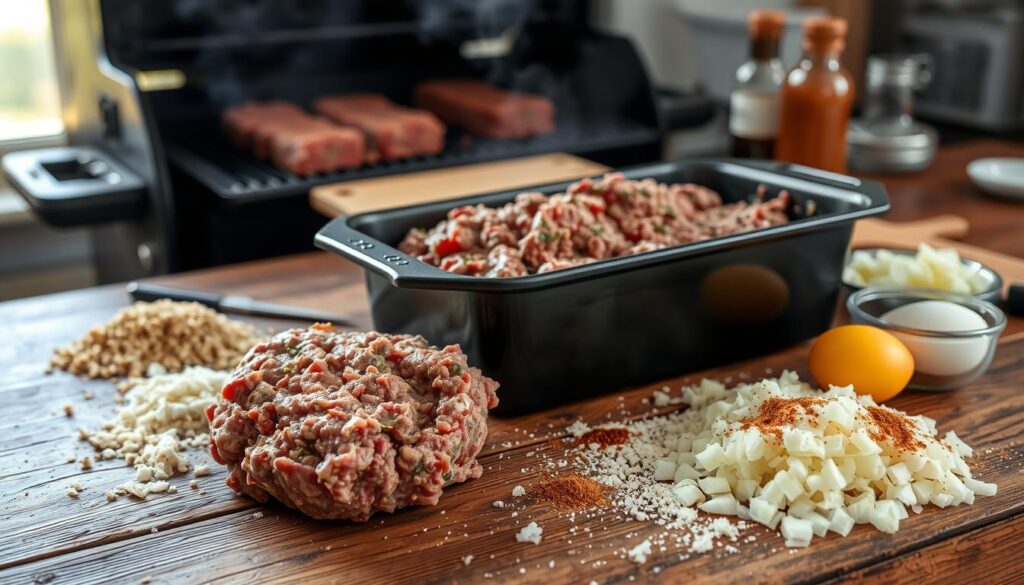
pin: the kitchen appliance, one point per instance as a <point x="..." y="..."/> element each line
<point x="886" y="138"/>
<point x="573" y="333"/>
<point x="143" y="85"/>
<point x="977" y="49"/>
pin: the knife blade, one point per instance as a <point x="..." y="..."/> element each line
<point x="237" y="304"/>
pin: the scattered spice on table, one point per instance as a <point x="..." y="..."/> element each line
<point x="573" y="492"/>
<point x="605" y="437"/>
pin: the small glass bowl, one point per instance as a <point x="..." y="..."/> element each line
<point x="943" y="360"/>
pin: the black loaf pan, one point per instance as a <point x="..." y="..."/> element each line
<point x="606" y="326"/>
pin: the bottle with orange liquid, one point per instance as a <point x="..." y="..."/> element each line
<point x="816" y="100"/>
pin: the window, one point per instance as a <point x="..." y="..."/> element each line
<point x="29" y="98"/>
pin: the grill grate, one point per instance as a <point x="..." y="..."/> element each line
<point x="239" y="177"/>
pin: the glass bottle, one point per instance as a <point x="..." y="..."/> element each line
<point x="754" y="103"/>
<point x="816" y="100"/>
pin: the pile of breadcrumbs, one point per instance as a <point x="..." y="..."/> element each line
<point x="165" y="415"/>
<point x="169" y="333"/>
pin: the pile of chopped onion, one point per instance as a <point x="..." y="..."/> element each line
<point x="827" y="470"/>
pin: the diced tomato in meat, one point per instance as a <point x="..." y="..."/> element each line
<point x="209" y="412"/>
<point x="447" y="247"/>
<point x="231" y="388"/>
<point x="583" y="186"/>
<point x="323" y="327"/>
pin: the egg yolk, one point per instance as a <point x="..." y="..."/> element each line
<point x="874" y="361"/>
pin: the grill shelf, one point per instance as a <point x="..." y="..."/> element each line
<point x="238" y="177"/>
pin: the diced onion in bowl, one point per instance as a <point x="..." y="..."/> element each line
<point x="930" y="267"/>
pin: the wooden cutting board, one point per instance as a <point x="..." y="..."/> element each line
<point x="939" y="232"/>
<point x="438" y="185"/>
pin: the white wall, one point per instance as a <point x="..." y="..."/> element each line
<point x="660" y="34"/>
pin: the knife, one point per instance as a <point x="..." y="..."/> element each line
<point x="233" y="304"/>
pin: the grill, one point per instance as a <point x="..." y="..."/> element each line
<point x="161" y="188"/>
<point x="236" y="176"/>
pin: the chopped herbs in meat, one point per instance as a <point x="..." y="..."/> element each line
<point x="593" y="220"/>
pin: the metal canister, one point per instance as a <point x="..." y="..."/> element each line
<point x="887" y="139"/>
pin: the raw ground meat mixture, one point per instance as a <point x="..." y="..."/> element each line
<point x="592" y="220"/>
<point x="342" y="425"/>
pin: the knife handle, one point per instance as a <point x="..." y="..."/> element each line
<point x="152" y="292"/>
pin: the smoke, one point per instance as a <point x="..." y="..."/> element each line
<point x="457" y="20"/>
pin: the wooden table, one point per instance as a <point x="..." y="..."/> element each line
<point x="996" y="224"/>
<point x="47" y="537"/>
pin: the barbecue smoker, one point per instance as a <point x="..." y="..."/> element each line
<point x="144" y="84"/>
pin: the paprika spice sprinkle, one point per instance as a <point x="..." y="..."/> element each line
<point x="776" y="413"/>
<point x="573" y="492"/>
<point x="604" y="437"/>
<point x="894" y="428"/>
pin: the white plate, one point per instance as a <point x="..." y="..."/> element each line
<point x="999" y="176"/>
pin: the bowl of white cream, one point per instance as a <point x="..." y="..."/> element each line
<point x="952" y="337"/>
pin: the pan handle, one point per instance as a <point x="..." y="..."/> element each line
<point x="402" y="269"/>
<point x="872" y="190"/>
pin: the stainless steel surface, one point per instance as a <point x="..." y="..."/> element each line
<point x="877" y="148"/>
<point x="887" y="138"/>
<point x="90" y="85"/>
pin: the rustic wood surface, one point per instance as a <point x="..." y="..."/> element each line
<point x="47" y="537"/>
<point x="351" y="197"/>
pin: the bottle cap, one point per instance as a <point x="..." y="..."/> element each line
<point x="824" y="34"/>
<point x="766" y="24"/>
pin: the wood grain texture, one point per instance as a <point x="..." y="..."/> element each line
<point x="944" y="187"/>
<point x="438" y="185"/>
<point x="281" y="546"/>
<point x="46" y="536"/>
<point x="978" y="556"/>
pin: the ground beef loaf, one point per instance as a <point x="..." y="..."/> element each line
<point x="593" y="220"/>
<point x="486" y="110"/>
<point x="392" y="131"/>
<point x="292" y="139"/>
<point x="343" y="425"/>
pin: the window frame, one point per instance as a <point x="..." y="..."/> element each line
<point x="40" y="140"/>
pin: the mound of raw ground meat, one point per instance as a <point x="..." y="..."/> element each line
<point x="343" y="425"/>
<point x="593" y="220"/>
